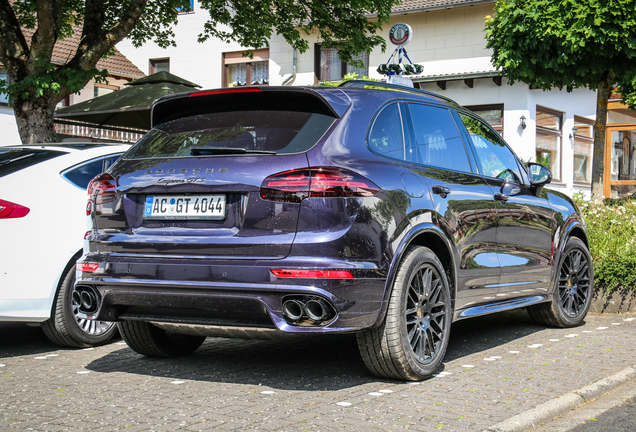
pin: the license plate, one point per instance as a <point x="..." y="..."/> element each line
<point x="185" y="207"/>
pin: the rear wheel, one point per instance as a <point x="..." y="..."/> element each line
<point x="152" y="341"/>
<point x="66" y="329"/>
<point x="573" y="292"/>
<point x="411" y="342"/>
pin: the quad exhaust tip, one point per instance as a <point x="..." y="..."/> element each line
<point x="87" y="298"/>
<point x="307" y="311"/>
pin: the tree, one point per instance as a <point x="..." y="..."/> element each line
<point x="568" y="44"/>
<point x="29" y="30"/>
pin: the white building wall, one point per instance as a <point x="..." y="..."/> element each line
<point x="8" y="127"/>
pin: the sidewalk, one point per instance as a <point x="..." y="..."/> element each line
<point x="496" y="368"/>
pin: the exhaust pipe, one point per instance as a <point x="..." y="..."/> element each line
<point x="317" y="310"/>
<point x="294" y="309"/>
<point x="87" y="299"/>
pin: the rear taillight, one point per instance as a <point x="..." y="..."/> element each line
<point x="312" y="274"/>
<point x="9" y="210"/>
<point x="87" y="266"/>
<point x="320" y="182"/>
<point x="101" y="189"/>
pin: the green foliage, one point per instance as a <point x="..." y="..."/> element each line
<point x="611" y="229"/>
<point x="563" y="43"/>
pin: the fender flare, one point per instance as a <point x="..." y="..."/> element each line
<point x="573" y="223"/>
<point x="405" y="241"/>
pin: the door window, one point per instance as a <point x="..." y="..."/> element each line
<point x="496" y="160"/>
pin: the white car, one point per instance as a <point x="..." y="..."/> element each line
<point x="42" y="226"/>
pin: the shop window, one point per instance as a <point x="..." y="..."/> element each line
<point x="239" y="71"/>
<point x="549" y="139"/>
<point x="583" y="149"/>
<point x="329" y="67"/>
<point x="159" y="65"/>
<point x="493" y="114"/>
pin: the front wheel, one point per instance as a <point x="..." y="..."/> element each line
<point x="65" y="328"/>
<point x="573" y="292"/>
<point x="411" y="341"/>
<point x="152" y="341"/>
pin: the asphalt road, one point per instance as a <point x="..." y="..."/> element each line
<point x="496" y="367"/>
<point x="619" y="419"/>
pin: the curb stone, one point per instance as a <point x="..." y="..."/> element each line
<point x="561" y="405"/>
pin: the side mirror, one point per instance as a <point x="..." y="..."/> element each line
<point x="539" y="177"/>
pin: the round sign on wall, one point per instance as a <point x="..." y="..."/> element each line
<point x="400" y="34"/>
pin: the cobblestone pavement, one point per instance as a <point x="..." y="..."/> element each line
<point x="496" y="367"/>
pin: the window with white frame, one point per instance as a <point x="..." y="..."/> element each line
<point x="583" y="149"/>
<point x="549" y="139"/>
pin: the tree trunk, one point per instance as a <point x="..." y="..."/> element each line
<point x="34" y="118"/>
<point x="598" y="163"/>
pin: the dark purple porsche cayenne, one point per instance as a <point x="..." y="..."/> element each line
<point x="368" y="208"/>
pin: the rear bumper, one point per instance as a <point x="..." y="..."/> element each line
<point x="239" y="293"/>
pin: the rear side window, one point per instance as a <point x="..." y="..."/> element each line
<point x="386" y="137"/>
<point x="81" y="175"/>
<point x="234" y="132"/>
<point x="12" y="160"/>
<point x="437" y="140"/>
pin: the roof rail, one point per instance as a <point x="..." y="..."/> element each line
<point x="388" y="86"/>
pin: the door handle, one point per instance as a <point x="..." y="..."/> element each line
<point x="442" y="191"/>
<point x="501" y="197"/>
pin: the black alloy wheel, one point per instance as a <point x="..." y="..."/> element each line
<point x="573" y="291"/>
<point x="426" y="306"/>
<point x="574" y="282"/>
<point x="411" y="342"/>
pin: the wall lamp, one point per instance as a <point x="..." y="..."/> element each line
<point x="573" y="134"/>
<point x="522" y="120"/>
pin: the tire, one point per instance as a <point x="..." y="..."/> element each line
<point x="65" y="328"/>
<point x="411" y="342"/>
<point x="152" y="341"/>
<point x="573" y="291"/>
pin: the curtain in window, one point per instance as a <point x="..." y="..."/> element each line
<point x="260" y="73"/>
<point x="330" y="64"/>
<point x="237" y="75"/>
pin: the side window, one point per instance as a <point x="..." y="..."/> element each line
<point x="493" y="155"/>
<point x="386" y="137"/>
<point x="437" y="139"/>
<point x="81" y="175"/>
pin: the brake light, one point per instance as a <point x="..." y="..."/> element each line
<point x="9" y="210"/>
<point x="312" y="274"/>
<point x="320" y="182"/>
<point x="226" y="91"/>
<point x="87" y="266"/>
<point x="101" y="189"/>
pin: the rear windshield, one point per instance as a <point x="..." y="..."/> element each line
<point x="239" y="132"/>
<point x="12" y="159"/>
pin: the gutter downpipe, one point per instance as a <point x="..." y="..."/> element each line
<point x="292" y="77"/>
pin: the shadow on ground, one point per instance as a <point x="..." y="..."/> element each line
<point x="317" y="363"/>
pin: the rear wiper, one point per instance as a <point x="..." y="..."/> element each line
<point x="202" y="151"/>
